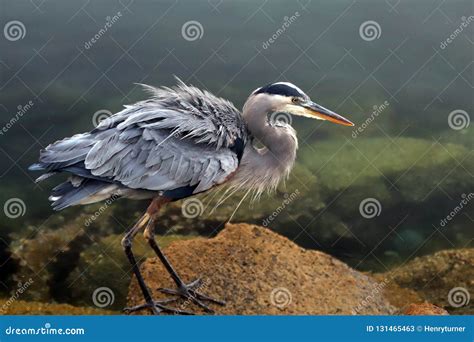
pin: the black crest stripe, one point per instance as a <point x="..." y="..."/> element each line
<point x="279" y="89"/>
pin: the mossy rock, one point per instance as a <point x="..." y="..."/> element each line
<point x="462" y="137"/>
<point x="51" y="250"/>
<point x="21" y="307"/>
<point x="353" y="171"/>
<point x="445" y="278"/>
<point x="37" y="256"/>
<point x="341" y="164"/>
<point x="104" y="264"/>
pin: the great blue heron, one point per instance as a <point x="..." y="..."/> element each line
<point x="180" y="142"/>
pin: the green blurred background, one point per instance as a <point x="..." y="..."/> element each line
<point x="406" y="151"/>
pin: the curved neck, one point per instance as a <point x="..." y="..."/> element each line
<point x="280" y="142"/>
<point x="262" y="169"/>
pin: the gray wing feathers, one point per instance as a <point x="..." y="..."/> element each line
<point x="182" y="136"/>
<point x="187" y="112"/>
<point x="67" y="151"/>
<point x="150" y="164"/>
<point x="179" y="137"/>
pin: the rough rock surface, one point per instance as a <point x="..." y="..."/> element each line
<point x="433" y="276"/>
<point x="424" y="309"/>
<point x="20" y="307"/>
<point x="257" y="271"/>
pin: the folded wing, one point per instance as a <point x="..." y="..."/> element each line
<point x="180" y="142"/>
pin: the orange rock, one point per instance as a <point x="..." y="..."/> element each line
<point x="424" y="309"/>
<point x="257" y="271"/>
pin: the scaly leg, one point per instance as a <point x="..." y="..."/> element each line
<point x="187" y="291"/>
<point x="155" y="306"/>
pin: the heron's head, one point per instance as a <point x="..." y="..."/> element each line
<point x="288" y="98"/>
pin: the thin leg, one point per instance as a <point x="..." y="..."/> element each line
<point x="149" y="235"/>
<point x="155" y="306"/>
<point x="188" y="291"/>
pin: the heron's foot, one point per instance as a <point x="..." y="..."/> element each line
<point x="158" y="307"/>
<point x="190" y="292"/>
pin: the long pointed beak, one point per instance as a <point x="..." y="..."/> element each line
<point x="319" y="112"/>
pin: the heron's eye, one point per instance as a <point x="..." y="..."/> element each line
<point x="295" y="100"/>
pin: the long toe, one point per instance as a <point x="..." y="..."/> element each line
<point x="192" y="297"/>
<point x="210" y="299"/>
<point x="170" y="291"/>
<point x="157" y="307"/>
<point x="190" y="293"/>
<point x="154" y="309"/>
<point x="194" y="284"/>
<point x="174" y="311"/>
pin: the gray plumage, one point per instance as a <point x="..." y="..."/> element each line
<point x="179" y="142"/>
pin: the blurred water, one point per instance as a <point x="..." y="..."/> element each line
<point x="398" y="83"/>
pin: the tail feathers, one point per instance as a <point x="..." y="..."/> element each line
<point x="81" y="188"/>
<point x="36" y="167"/>
<point x="67" y="194"/>
<point x="44" y="176"/>
<point x="41" y="167"/>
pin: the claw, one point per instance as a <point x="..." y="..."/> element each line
<point x="194" y="284"/>
<point x="190" y="292"/>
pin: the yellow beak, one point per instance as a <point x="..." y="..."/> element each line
<point x="319" y="112"/>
